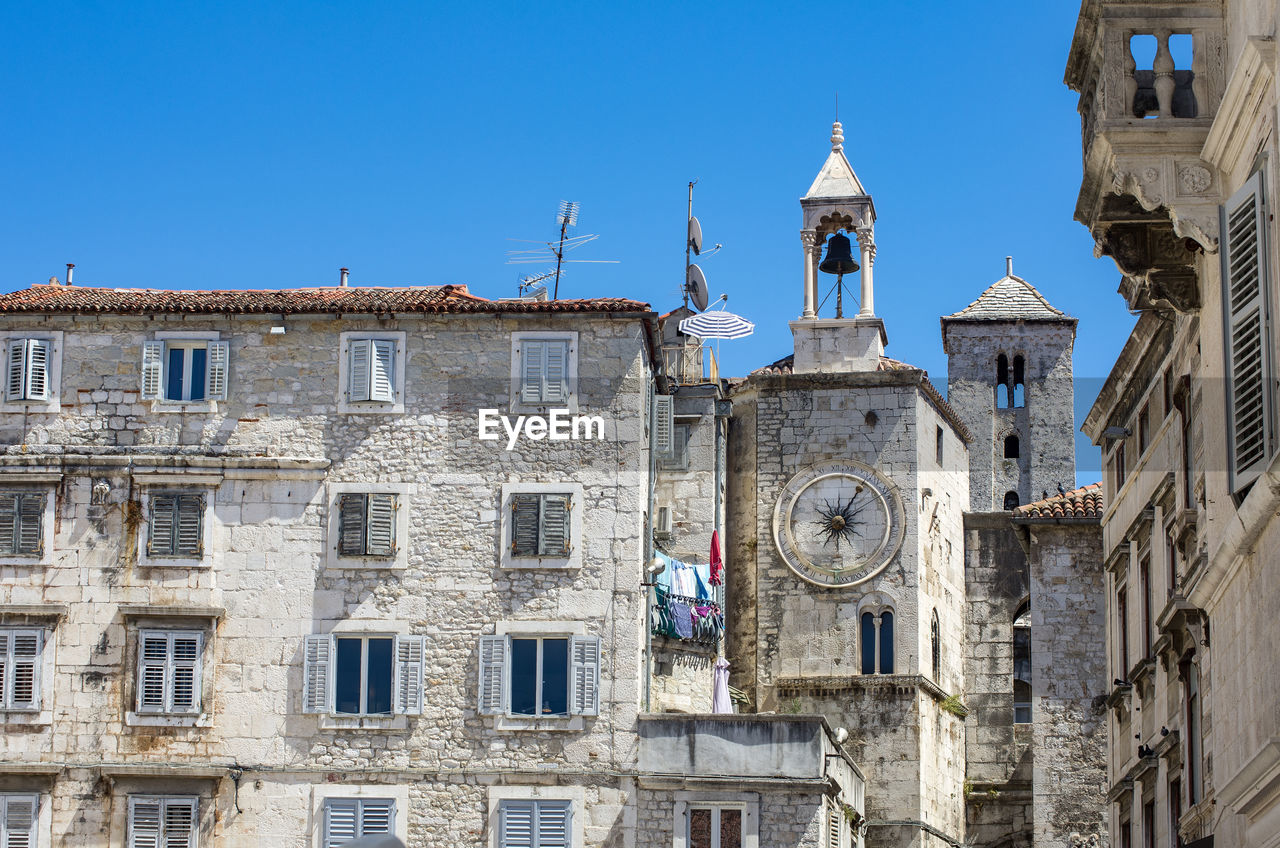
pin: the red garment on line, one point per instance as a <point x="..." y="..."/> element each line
<point x="717" y="564"/>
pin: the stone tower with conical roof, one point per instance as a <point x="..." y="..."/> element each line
<point x="1009" y="379"/>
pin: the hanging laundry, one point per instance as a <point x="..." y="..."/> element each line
<point x="682" y="619"/>
<point x="717" y="563"/>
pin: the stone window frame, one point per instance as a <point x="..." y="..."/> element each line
<point x="517" y="377"/>
<point x="575" y="795"/>
<point x="394" y="723"/>
<point x="397" y="792"/>
<point x="399" y="561"/>
<point x="170" y="484"/>
<point x="42" y="826"/>
<point x="163" y="404"/>
<point x="877" y="604"/>
<point x="747" y="802"/>
<point x="46" y="619"/>
<point x="35" y="483"/>
<point x="398" y="377"/>
<point x="507" y="722"/>
<point x="1023" y="609"/>
<point x="54" y="402"/>
<point x="142" y="619"/>
<point x="508" y="559"/>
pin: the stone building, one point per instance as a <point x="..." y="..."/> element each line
<point x="1178" y="112"/>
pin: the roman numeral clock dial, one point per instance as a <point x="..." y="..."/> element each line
<point x="838" y="524"/>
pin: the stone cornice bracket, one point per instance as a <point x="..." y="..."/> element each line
<point x="1185" y="189"/>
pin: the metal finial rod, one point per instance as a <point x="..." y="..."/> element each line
<point x="1008" y="266"/>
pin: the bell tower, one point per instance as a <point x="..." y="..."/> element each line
<point x="835" y="208"/>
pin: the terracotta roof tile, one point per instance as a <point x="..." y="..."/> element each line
<point x="1085" y="502"/>
<point x="452" y="299"/>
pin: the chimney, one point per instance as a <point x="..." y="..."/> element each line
<point x="1008" y="266"/>
<point x="342" y="277"/>
<point x="71" y="266"/>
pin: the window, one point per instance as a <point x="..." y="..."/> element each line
<point x="535" y="824"/>
<point x="28" y="370"/>
<point x="1144" y="585"/>
<point x="22" y="523"/>
<point x="371" y="370"/>
<point x="544" y="370"/>
<point x="876" y="633"/>
<point x="1144" y="429"/>
<point x="19" y="812"/>
<point x="169" y="671"/>
<point x="1019" y="390"/>
<point x="1117" y="465"/>
<point x="935" y="643"/>
<point x="664" y="424"/>
<point x="1011" y="500"/>
<point x="1126" y="834"/>
<point x="1149" y="825"/>
<point x="1011" y="446"/>
<point x="937" y="448"/>
<point x="1245" y="263"/>
<point x="346" y="819"/>
<point x="1166" y="392"/>
<point x="1171" y="560"/>
<point x="1188" y="501"/>
<point x="1022" y="665"/>
<point x="540" y="676"/>
<point x="1190" y="674"/>
<point x="1175" y="812"/>
<point x="367" y="525"/>
<point x="176" y="525"/>
<point x="1002" y="382"/>
<point x="185" y="370"/>
<point x="717" y="827"/>
<point x="1122" y="625"/>
<point x="362" y="674"/>
<point x="835" y="825"/>
<point x="540" y="525"/>
<point x="677" y="459"/>
<point x="163" y="820"/>
<point x="20" y="666"/>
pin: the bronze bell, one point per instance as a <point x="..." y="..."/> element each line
<point x="839" y="256"/>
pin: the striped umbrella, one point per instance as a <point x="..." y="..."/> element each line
<point x="717" y="325"/>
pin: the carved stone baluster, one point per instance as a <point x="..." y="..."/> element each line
<point x="810" y="240"/>
<point x="1199" y="74"/>
<point x="867" y="243"/>
<point x="1164" y="74"/>
<point x="1130" y="78"/>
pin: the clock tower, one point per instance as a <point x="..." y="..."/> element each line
<point x="847" y="486"/>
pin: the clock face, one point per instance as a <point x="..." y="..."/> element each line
<point x="838" y="523"/>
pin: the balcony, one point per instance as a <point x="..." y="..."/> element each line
<point x="690" y="364"/>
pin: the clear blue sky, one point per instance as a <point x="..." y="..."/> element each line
<point x="238" y="145"/>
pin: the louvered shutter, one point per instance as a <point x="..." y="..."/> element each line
<point x="524" y="525"/>
<point x="555" y="387"/>
<point x="382" y="380"/>
<point x="152" y="366"/>
<point x="382" y="526"/>
<point x="30" y="524"/>
<point x="532" y="370"/>
<point x="1244" y="260"/>
<point x="18" y="820"/>
<point x="184" y="672"/>
<point x="493" y="674"/>
<point x="190" y="521"/>
<point x="37" y="382"/>
<point x="663" y="424"/>
<point x="584" y="661"/>
<point x="144" y="823"/>
<point x="16" y="377"/>
<point x="834" y="818"/>
<point x="553" y="824"/>
<point x="153" y="667"/>
<point x="554" y="536"/>
<point x="410" y="656"/>
<point x="179" y="823"/>
<point x="21" y="670"/>
<point x="9" y="522"/>
<point x="377" y="816"/>
<point x="341" y="821"/>
<point x="6" y="665"/>
<point x="219" y="365"/>
<point x="317" y="670"/>
<point x="517" y="824"/>
<point x="351" y="524"/>
<point x="358" y="370"/>
<point x="162" y="538"/>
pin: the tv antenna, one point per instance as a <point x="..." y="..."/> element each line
<point x="695" y="282"/>
<point x="566" y="217"/>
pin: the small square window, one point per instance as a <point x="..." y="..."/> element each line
<point x="169" y="672"/>
<point x="367" y="525"/>
<point x="535" y="824"/>
<point x="21" y="667"/>
<point x="22" y="523"/>
<point x="19" y="817"/>
<point x="714" y="827"/>
<point x="167" y="820"/>
<point x="540" y="676"/>
<point x="677" y="459"/>
<point x="28" y="370"/>
<point x="346" y="819"/>
<point x="540" y="525"/>
<point x="176" y="525"/>
<point x="363" y="674"/>
<point x="185" y="370"/>
<point x="544" y="370"/>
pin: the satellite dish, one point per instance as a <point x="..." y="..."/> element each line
<point x="696" y="286"/>
<point x="695" y="236"/>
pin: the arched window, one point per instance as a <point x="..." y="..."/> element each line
<point x="935" y="641"/>
<point x="1011" y="500"/>
<point x="886" y="642"/>
<point x="1019" y="390"/>
<point x="1002" y="382"/>
<point x="1011" y="446"/>
<point x="868" y="635"/>
<point x="1022" y="665"/>
<point x="876" y="634"/>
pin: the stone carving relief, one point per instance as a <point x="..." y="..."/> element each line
<point x="1193" y="179"/>
<point x="1079" y="840"/>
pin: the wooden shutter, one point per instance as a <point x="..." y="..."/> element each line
<point x="554" y="536"/>
<point x="144" y="822"/>
<point x="584" y="675"/>
<point x="20" y="669"/>
<point x="219" y="362"/>
<point x="381" y="526"/>
<point x="30" y="537"/>
<point x="16" y="374"/>
<point x="39" y="352"/>
<point x="553" y="824"/>
<point x="351" y="524"/>
<point x="382" y="386"/>
<point x="317" y="672"/>
<point x="524" y="525"/>
<point x="517" y="824"/>
<point x="18" y="820"/>
<point x="533" y="356"/>
<point x="1247" y="333"/>
<point x="341" y="821"/>
<point x="153" y="665"/>
<point x="152" y="366"/>
<point x="189" y="540"/>
<point x="834" y="817"/>
<point x="9" y="522"/>
<point x="179" y="823"/>
<point x="555" y="387"/>
<point x="162" y="538"/>
<point x="377" y="816"/>
<point x="410" y="658"/>
<point x="663" y="424"/>
<point x="493" y="674"/>
<point x="358" y="370"/>
<point x="6" y="666"/>
<point x="184" y="672"/>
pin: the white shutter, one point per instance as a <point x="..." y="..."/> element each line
<point x="532" y="370"/>
<point x="516" y="825"/>
<point x="219" y="361"/>
<point x="30" y="538"/>
<point x="179" y="823"/>
<point x="556" y="385"/>
<point x="341" y="821"/>
<point x="16" y="381"/>
<point x="144" y="822"/>
<point x="410" y="658"/>
<point x="152" y="366"/>
<point x="38" y="354"/>
<point x="6" y="666"/>
<point x="184" y="672"/>
<point x="20" y="669"/>
<point x="554" y="533"/>
<point x="9" y="522"/>
<point x="162" y="538"/>
<point x="377" y="816"/>
<point x="190" y="525"/>
<point x="553" y="824"/>
<point x="834" y="818"/>
<point x="317" y="672"/>
<point x="381" y="526"/>
<point x="1247" y="332"/>
<point x="493" y="674"/>
<point x="663" y="424"/>
<point x="584" y="675"/>
<point x="382" y="385"/>
<point x="153" y="667"/>
<point x="358" y="370"/>
<point x="18" y="820"/>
